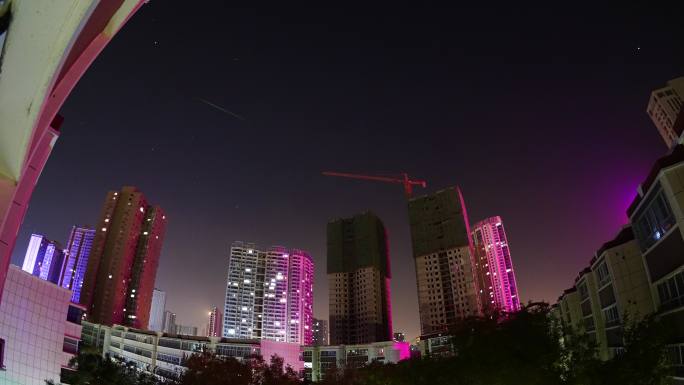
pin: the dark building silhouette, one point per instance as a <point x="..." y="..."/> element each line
<point x="444" y="260"/>
<point x="359" y="280"/>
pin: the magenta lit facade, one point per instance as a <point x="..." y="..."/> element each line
<point x="497" y="284"/>
<point x="300" y="302"/>
<point x="269" y="294"/>
<point x="214" y="328"/>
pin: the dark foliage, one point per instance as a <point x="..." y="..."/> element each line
<point x="525" y="348"/>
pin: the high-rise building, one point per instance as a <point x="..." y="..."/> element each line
<point x="44" y="258"/>
<point x="169" y="325"/>
<point x="498" y="289"/>
<point x="359" y="280"/>
<point x="34" y="251"/>
<point x="214" y="327"/>
<point x="269" y="294"/>
<point x="664" y="106"/>
<point x="123" y="261"/>
<point x="320" y="332"/>
<point x="300" y="297"/>
<point x="157" y="310"/>
<point x="77" y="252"/>
<point x="443" y="255"/>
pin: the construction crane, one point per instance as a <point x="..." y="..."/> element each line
<point x="403" y="179"/>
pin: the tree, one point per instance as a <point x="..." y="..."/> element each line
<point x="274" y="373"/>
<point x="90" y="368"/>
<point x="644" y="360"/>
<point x="206" y="368"/>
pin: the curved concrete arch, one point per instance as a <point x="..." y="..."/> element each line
<point x="44" y="51"/>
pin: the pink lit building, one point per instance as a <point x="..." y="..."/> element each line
<point x="214" y="328"/>
<point x="495" y="274"/>
<point x="269" y="294"/>
<point x="300" y="302"/>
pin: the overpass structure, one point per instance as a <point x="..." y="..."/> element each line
<point x="45" y="47"/>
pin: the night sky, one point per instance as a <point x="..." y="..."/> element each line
<point x="538" y="114"/>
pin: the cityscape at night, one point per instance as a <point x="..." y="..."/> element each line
<point x="273" y="194"/>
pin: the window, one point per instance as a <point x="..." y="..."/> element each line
<point x="583" y="291"/>
<point x="2" y="353"/>
<point x="653" y="220"/>
<point x="671" y="292"/>
<point x="602" y="274"/>
<point x="70" y="345"/>
<point x="611" y="316"/>
<point x="675" y="355"/>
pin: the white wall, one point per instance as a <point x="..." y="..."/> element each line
<point x="33" y="316"/>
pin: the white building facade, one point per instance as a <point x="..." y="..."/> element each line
<point x="164" y="355"/>
<point x="35" y="329"/>
<point x="269" y="294"/>
<point x="157" y="310"/>
<point x="664" y="106"/>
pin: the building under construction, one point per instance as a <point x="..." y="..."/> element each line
<point x="359" y="280"/>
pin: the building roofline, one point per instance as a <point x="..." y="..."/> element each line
<point x="582" y="273"/>
<point x="425" y="195"/>
<point x="674" y="157"/>
<point x="625" y="235"/>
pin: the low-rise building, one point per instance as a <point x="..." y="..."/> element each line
<point x="569" y="310"/>
<point x="319" y="360"/>
<point x="612" y="291"/>
<point x="39" y="329"/>
<point x="640" y="272"/>
<point x="436" y="345"/>
<point x="622" y="289"/>
<point x="165" y="354"/>
<point x="657" y="215"/>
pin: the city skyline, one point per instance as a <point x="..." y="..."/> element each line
<point x="614" y="134"/>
